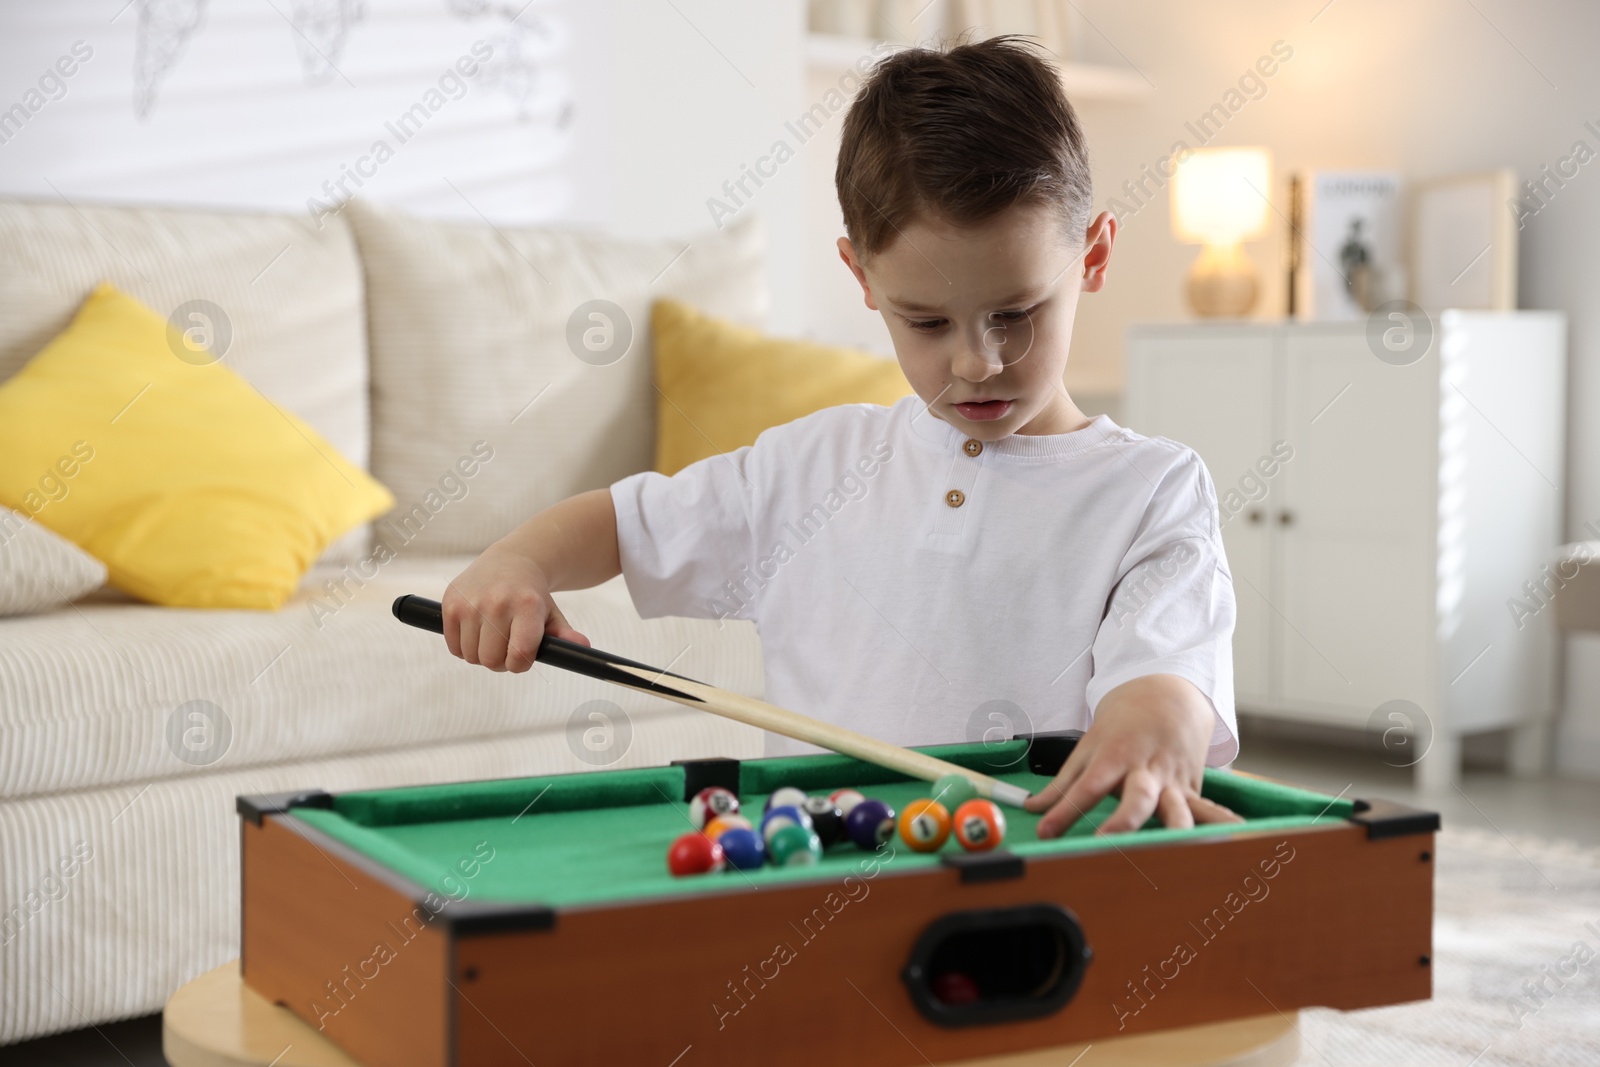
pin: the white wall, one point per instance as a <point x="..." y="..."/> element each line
<point x="701" y="89"/>
<point x="234" y="103"/>
<point x="626" y="114"/>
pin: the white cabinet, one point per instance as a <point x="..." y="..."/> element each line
<point x="1381" y="518"/>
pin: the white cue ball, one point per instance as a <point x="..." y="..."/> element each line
<point x="846" y="800"/>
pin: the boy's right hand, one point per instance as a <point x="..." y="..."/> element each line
<point x="498" y="609"/>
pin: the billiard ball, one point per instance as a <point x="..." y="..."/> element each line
<point x="979" y="825"/>
<point x="723" y="823"/>
<point x="954" y="790"/>
<point x="955" y="987"/>
<point x="924" y="825"/>
<point x="711" y="802"/>
<point x="784" y="816"/>
<point x="792" y="845"/>
<point x="694" y="853"/>
<point x="845" y="800"/>
<point x="826" y="820"/>
<point x="787" y="797"/>
<point x="743" y="848"/>
<point x="870" y="824"/>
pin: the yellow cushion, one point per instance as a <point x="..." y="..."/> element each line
<point x="721" y="384"/>
<point x="190" y="486"/>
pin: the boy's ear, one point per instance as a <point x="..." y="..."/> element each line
<point x="1102" y="234"/>
<point x="847" y="253"/>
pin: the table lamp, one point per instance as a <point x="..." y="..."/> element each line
<point x="1219" y="199"/>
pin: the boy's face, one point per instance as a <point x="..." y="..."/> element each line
<point x="981" y="316"/>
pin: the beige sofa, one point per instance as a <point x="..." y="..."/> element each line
<point x="126" y="730"/>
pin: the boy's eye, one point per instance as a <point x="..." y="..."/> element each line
<point x="925" y="325"/>
<point x="1009" y="316"/>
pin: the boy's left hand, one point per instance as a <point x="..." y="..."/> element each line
<point x="1147" y="745"/>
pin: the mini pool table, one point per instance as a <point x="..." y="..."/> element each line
<point x="534" y="920"/>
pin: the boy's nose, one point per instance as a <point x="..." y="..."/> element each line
<point x="976" y="362"/>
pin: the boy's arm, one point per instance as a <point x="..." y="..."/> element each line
<point x="1148" y="744"/>
<point x="497" y="610"/>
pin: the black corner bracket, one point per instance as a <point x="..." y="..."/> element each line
<point x="997" y="866"/>
<point x="1385" y="818"/>
<point x="701" y="774"/>
<point x="467" y="918"/>
<point x="255" y="808"/>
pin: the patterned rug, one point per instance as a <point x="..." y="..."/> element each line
<point x="1516" y="966"/>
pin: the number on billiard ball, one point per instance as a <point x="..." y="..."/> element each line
<point x="711" y="802"/>
<point x="925" y="825"/>
<point x="980" y="825"/>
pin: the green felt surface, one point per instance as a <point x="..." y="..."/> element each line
<point x="601" y="838"/>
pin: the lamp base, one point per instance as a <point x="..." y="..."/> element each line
<point x="1223" y="283"/>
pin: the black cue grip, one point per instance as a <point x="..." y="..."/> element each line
<point x="426" y="614"/>
<point x="420" y="612"/>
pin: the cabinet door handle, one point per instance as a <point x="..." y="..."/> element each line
<point x="1285" y="518"/>
<point x="1255" y="517"/>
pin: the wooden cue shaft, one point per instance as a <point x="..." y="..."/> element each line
<point x="753" y="712"/>
<point x="607" y="666"/>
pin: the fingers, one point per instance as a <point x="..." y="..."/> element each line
<point x="1091" y="787"/>
<point x="1173" y="807"/>
<point x="471" y="623"/>
<point x="1141" y="790"/>
<point x="1065" y="778"/>
<point x="522" y="644"/>
<point x="1210" y="811"/>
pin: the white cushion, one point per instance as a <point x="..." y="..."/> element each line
<point x="469" y="335"/>
<point x="107" y="693"/>
<point x="290" y="292"/>
<point x="39" y="569"/>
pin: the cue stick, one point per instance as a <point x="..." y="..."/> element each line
<point x="580" y="659"/>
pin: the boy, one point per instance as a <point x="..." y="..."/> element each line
<point x="980" y="541"/>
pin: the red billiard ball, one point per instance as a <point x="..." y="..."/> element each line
<point x="711" y="802"/>
<point x="694" y="853"/>
<point x="979" y="825"/>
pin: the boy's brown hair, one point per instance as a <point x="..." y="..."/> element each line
<point x="962" y="134"/>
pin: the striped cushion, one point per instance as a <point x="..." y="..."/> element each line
<point x="39" y="570"/>
<point x="289" y="295"/>
<point x="475" y="332"/>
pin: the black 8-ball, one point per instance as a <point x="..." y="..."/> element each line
<point x="826" y="819"/>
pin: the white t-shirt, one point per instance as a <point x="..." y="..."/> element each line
<point x="910" y="589"/>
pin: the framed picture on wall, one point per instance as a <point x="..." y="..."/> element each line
<point x="1464" y="242"/>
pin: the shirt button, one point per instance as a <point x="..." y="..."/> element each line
<point x="955" y="498"/>
<point x="973" y="447"/>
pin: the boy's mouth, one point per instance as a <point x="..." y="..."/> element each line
<point x="984" y="410"/>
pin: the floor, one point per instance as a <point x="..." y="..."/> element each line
<point x="1485" y="799"/>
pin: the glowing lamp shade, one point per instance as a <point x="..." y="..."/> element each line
<point x="1219" y="198"/>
